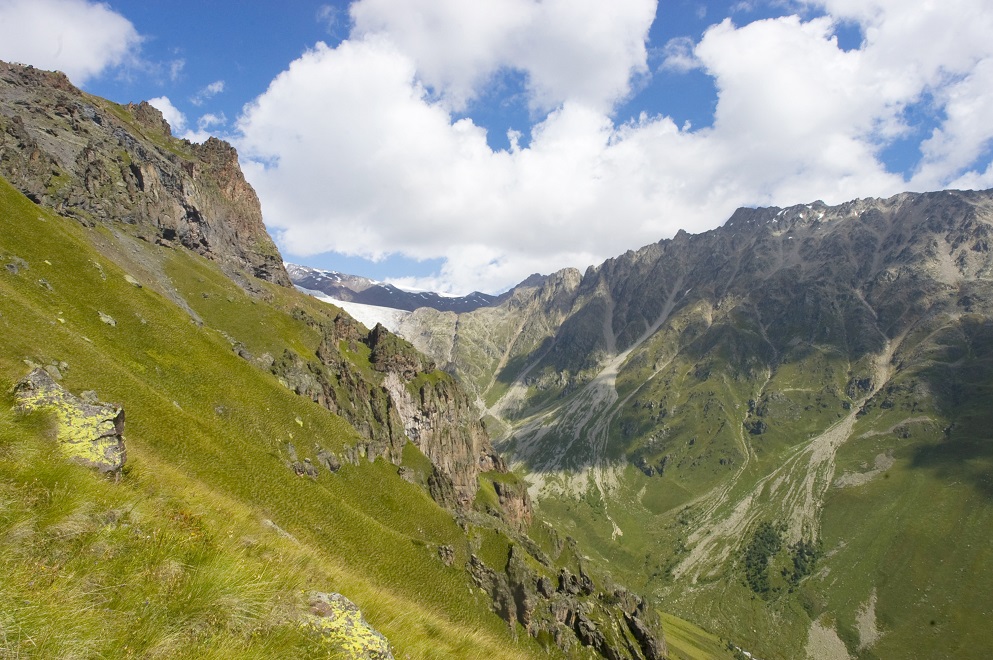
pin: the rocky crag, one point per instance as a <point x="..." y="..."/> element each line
<point x="119" y="165"/>
<point x="573" y="610"/>
<point x="402" y="398"/>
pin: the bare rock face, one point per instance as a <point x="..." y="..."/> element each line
<point x="88" y="433"/>
<point x="441" y="421"/>
<point x="615" y="624"/>
<point x="99" y="162"/>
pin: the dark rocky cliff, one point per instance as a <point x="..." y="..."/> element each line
<point x="99" y="162"/>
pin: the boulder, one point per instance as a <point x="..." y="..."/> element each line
<point x="446" y="554"/>
<point x="88" y="433"/>
<point x="341" y="624"/>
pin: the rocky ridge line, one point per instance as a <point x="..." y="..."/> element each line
<point x="98" y="162"/>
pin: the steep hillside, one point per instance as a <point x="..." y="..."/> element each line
<point x="776" y="426"/>
<point x="278" y="453"/>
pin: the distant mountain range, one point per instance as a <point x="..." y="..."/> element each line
<point x="352" y="288"/>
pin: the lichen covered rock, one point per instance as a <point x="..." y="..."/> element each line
<point x="88" y="433"/>
<point x="341" y="624"/>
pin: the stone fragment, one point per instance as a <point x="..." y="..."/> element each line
<point x="328" y="460"/>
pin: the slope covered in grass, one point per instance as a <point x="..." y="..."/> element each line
<point x="210" y="542"/>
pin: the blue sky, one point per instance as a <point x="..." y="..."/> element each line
<point x="464" y="145"/>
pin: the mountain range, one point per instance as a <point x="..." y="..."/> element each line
<point x="775" y="434"/>
<point x="352" y="288"/>
<point x="778" y="428"/>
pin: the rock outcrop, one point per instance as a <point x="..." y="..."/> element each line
<point x="342" y="627"/>
<point x="99" y="162"/>
<point x="574" y="613"/>
<point x="89" y="433"/>
<point x="404" y="399"/>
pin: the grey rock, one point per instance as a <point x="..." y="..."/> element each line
<point x="328" y="460"/>
<point x="200" y="200"/>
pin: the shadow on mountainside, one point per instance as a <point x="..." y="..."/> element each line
<point x="963" y="392"/>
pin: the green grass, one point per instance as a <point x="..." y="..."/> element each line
<point x="206" y="435"/>
<point x="689" y="642"/>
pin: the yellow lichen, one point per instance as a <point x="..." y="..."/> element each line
<point x="87" y="433"/>
<point x="341" y="625"/>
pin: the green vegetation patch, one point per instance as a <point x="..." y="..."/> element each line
<point x="208" y="541"/>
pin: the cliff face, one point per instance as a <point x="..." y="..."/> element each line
<point x="402" y="397"/>
<point x="99" y="162"/>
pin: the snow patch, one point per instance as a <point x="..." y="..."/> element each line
<point x="367" y="315"/>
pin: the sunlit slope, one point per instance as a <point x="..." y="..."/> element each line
<point x="185" y="555"/>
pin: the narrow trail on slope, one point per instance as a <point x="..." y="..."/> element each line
<point x="799" y="484"/>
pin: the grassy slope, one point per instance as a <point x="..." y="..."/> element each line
<point x="912" y="537"/>
<point x="98" y="567"/>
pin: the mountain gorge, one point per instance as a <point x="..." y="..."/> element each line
<point x="774" y="427"/>
<point x="281" y="461"/>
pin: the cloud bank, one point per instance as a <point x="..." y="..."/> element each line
<point x="368" y="148"/>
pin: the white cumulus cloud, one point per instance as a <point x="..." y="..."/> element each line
<point x="355" y="148"/>
<point x="172" y="114"/>
<point x="78" y="37"/>
<point x="207" y="124"/>
<point x="580" y="50"/>
<point x="208" y="92"/>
